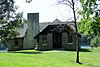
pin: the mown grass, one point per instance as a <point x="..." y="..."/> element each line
<point x="32" y="58"/>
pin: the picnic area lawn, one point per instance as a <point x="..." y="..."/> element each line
<point x="52" y="58"/>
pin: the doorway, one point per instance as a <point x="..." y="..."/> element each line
<point x="57" y="40"/>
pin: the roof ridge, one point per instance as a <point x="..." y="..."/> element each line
<point x="56" y="21"/>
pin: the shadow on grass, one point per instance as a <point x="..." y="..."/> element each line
<point x="85" y="50"/>
<point x="93" y="65"/>
<point x="40" y="52"/>
<point x="25" y="52"/>
<point x="81" y="50"/>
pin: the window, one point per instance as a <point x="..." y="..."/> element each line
<point x="70" y="38"/>
<point x="44" y="38"/>
<point x="16" y="43"/>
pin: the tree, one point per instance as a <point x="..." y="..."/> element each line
<point x="28" y="1"/>
<point x="90" y="22"/>
<point x="95" y="42"/>
<point x="9" y="19"/>
<point x="71" y="4"/>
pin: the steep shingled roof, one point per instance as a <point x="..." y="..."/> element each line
<point x="22" y="31"/>
<point x="43" y="25"/>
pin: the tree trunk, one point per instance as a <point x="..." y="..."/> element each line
<point x="76" y="37"/>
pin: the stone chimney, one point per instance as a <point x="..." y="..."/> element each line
<point x="33" y="29"/>
<point x="33" y="18"/>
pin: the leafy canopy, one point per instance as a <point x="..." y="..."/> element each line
<point x="9" y="19"/>
<point x="90" y="22"/>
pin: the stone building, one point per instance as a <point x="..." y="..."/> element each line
<point x="45" y="35"/>
<point x="56" y="35"/>
<point x="25" y="39"/>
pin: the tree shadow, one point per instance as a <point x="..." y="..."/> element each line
<point x="80" y="50"/>
<point x="93" y="65"/>
<point x="85" y="50"/>
<point x="80" y="63"/>
<point x="25" y="52"/>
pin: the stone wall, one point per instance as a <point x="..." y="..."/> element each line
<point x="74" y="42"/>
<point x="65" y="44"/>
<point x="64" y="40"/>
<point x="50" y="40"/>
<point x="47" y="45"/>
<point x="12" y="46"/>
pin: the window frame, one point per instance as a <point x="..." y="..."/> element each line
<point x="16" y="43"/>
<point x="70" y="38"/>
<point x="44" y="38"/>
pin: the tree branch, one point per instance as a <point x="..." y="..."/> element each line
<point x="66" y="2"/>
<point x="68" y="5"/>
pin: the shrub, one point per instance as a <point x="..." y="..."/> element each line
<point x="95" y="42"/>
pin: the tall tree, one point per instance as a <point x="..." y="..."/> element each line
<point x="90" y="22"/>
<point x="72" y="5"/>
<point x="9" y="19"/>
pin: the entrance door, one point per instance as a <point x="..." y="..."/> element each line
<point x="57" y="40"/>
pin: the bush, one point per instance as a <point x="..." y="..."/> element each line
<point x="98" y="41"/>
<point x="95" y="42"/>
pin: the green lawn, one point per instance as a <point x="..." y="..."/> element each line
<point x="32" y="58"/>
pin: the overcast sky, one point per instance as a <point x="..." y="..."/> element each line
<point x="48" y="10"/>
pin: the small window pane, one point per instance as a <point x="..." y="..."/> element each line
<point x="70" y="38"/>
<point x="16" y="43"/>
<point x="44" y="38"/>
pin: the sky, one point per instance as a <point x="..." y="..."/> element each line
<point x="48" y="10"/>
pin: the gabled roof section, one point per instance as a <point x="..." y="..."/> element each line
<point x="21" y="30"/>
<point x="58" y="28"/>
<point x="43" y="25"/>
<point x="57" y="21"/>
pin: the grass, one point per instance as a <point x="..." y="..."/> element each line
<point x="32" y="58"/>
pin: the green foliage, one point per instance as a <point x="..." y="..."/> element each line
<point x="90" y="22"/>
<point x="28" y="1"/>
<point x="9" y="19"/>
<point x="85" y="27"/>
<point x="95" y="41"/>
